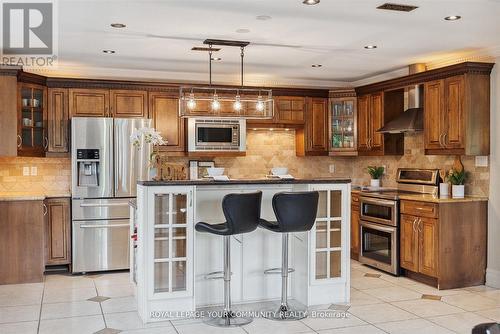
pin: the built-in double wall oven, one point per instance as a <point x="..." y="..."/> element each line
<point x="380" y="233"/>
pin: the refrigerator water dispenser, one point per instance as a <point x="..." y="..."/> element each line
<point x="88" y="167"/>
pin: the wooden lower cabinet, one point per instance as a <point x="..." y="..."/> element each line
<point x="408" y="251"/>
<point x="355" y="236"/>
<point x="445" y="246"/>
<point x="21" y="242"/>
<point x="57" y="231"/>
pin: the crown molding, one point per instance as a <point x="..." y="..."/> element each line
<point x="78" y="72"/>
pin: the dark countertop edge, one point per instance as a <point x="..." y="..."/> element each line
<point x="242" y="182"/>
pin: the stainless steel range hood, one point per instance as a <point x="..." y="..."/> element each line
<point x="412" y="119"/>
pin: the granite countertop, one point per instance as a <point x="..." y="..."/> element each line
<point x="207" y="182"/>
<point x="435" y="199"/>
<point x="30" y="196"/>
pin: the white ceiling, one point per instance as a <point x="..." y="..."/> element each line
<point x="156" y="44"/>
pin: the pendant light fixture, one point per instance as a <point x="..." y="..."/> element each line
<point x="243" y="100"/>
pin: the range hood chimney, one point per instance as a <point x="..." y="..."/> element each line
<point x="412" y="119"/>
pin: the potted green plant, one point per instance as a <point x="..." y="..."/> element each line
<point x="457" y="179"/>
<point x="376" y="173"/>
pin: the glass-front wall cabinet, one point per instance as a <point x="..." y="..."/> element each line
<point x="328" y="240"/>
<point x="343" y="126"/>
<point x="32" y="127"/>
<point x="171" y="242"/>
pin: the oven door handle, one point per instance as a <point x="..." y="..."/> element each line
<point x="378" y="227"/>
<point x="378" y="201"/>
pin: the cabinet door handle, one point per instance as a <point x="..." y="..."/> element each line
<point x="419" y="225"/>
<point x="45" y="143"/>
<point x="45" y="209"/>
<point x="444" y="139"/>
<point x="19" y="141"/>
<point x="414" y="222"/>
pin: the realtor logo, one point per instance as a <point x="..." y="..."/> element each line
<point x="28" y="34"/>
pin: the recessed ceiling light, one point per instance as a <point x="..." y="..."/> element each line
<point x="311" y="2"/>
<point x="263" y="17"/>
<point x="118" y="25"/>
<point x="453" y="18"/>
<point x="370" y="46"/>
<point x="109" y="51"/>
<point x="216" y="58"/>
<point x="243" y="31"/>
<point x="316" y="65"/>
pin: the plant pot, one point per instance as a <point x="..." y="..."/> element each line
<point x="458" y="191"/>
<point x="444" y="189"/>
<point x="375" y="183"/>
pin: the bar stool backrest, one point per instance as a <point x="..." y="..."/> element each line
<point x="242" y="211"/>
<point x="295" y="211"/>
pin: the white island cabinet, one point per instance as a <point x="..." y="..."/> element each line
<point x="175" y="268"/>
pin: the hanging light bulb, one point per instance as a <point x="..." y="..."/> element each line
<point x="215" y="102"/>
<point x="237" y="104"/>
<point x="260" y="104"/>
<point x="191" y="104"/>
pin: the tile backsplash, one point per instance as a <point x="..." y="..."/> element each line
<point x="265" y="149"/>
<point x="53" y="175"/>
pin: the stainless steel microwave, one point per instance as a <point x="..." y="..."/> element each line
<point x="216" y="134"/>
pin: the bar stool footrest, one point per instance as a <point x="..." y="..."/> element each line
<point x="215" y="275"/>
<point x="275" y="271"/>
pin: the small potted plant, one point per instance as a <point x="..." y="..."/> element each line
<point x="457" y="179"/>
<point x="376" y="173"/>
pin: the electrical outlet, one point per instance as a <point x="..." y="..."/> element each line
<point x="481" y="161"/>
<point x="34" y="171"/>
<point x="385" y="168"/>
<point x="332" y="168"/>
<point x="26" y="171"/>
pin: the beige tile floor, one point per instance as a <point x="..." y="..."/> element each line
<point x="383" y="304"/>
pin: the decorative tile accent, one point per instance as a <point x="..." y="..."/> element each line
<point x="337" y="307"/>
<point x="431" y="297"/>
<point x="98" y="299"/>
<point x="372" y="275"/>
<point x="108" y="331"/>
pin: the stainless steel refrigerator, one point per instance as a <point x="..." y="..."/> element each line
<point x="105" y="170"/>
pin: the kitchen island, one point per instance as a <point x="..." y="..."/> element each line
<point x="174" y="267"/>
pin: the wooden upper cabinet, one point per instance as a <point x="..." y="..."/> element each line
<point x="316" y="126"/>
<point x="409" y="247"/>
<point x="428" y="248"/>
<point x="57" y="231"/>
<point x="164" y="110"/>
<point x="457" y="115"/>
<point x="290" y="109"/>
<point x="363" y="122"/>
<point x="342" y="123"/>
<point x="129" y="103"/>
<point x="89" y="102"/>
<point x="32" y="120"/>
<point x="58" y="120"/>
<point x="377" y="121"/>
<point x="433" y="119"/>
<point x="454" y="112"/>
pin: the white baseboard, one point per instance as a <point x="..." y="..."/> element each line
<point x="493" y="278"/>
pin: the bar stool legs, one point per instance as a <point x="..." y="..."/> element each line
<point x="228" y="317"/>
<point x="285" y="312"/>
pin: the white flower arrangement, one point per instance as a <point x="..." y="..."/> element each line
<point x="146" y="135"/>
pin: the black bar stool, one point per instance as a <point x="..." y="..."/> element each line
<point x="295" y="212"/>
<point x="242" y="212"/>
